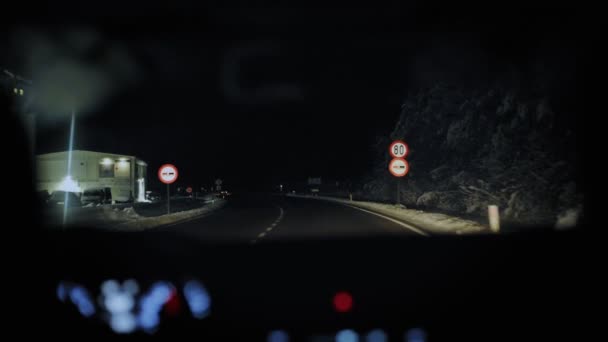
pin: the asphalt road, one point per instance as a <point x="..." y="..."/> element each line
<point x="262" y="218"/>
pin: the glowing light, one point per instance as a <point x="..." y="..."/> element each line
<point x="376" y="335"/>
<point x="415" y="335"/>
<point x="198" y="299"/>
<point x="347" y="336"/>
<point x="80" y="297"/>
<point x="68" y="185"/>
<point x="278" y="336"/>
<point x="343" y="302"/>
<point x="123" y="323"/>
<point x="107" y="161"/>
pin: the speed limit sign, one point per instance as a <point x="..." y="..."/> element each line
<point x="399" y="149"/>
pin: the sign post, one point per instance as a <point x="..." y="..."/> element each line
<point x="398" y="166"/>
<point x="168" y="174"/>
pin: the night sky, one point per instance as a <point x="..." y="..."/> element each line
<point x="259" y="97"/>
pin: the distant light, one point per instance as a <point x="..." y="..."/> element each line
<point x="123" y="159"/>
<point x="21" y="92"/>
<point x="343" y="302"/>
<point x="80" y="297"/>
<point x="376" y="335"/>
<point x="15" y="90"/>
<point x="107" y="161"/>
<point x="347" y="336"/>
<point x="278" y="336"/>
<point x="198" y="299"/>
<point x="416" y="335"/>
<point x="123" y="323"/>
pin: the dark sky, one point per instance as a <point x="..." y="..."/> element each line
<point x="262" y="96"/>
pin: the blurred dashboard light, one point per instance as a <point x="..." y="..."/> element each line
<point x="343" y="302"/>
<point x="198" y="299"/>
<point x="347" y="336"/>
<point x="123" y="323"/>
<point x="376" y="335"/>
<point x="80" y="297"/>
<point x="119" y="302"/>
<point x="109" y="286"/>
<point x="415" y="335"/>
<point x="131" y="286"/>
<point x="278" y="336"/>
<point x="62" y="292"/>
<point x="148" y="320"/>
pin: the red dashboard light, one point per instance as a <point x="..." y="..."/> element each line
<point x="343" y="302"/>
<point x="172" y="305"/>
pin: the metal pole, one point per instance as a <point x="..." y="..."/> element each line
<point x="168" y="200"/>
<point x="398" y="191"/>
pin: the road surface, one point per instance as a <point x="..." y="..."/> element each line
<point x="262" y="218"/>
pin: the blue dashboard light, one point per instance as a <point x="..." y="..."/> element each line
<point x="198" y="299"/>
<point x="376" y="335"/>
<point x="123" y="323"/>
<point x="62" y="292"/>
<point x="160" y="292"/>
<point x="148" y="320"/>
<point x="131" y="286"/>
<point x="118" y="302"/>
<point x="347" y="336"/>
<point x="415" y="335"/>
<point x="278" y="336"/>
<point x="110" y="286"/>
<point x="80" y="297"/>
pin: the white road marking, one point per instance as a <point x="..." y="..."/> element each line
<point x="402" y="224"/>
<point x="276" y="222"/>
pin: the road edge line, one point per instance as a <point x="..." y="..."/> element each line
<point x="403" y="224"/>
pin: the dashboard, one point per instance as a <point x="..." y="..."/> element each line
<point x="158" y="285"/>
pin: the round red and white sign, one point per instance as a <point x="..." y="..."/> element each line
<point x="399" y="149"/>
<point x="167" y="173"/>
<point x="189" y="190"/>
<point x="398" y="167"/>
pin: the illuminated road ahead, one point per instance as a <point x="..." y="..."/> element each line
<point x="261" y="218"/>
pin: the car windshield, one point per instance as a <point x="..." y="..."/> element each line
<point x="275" y="124"/>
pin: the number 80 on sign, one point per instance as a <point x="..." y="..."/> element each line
<point x="399" y="149"/>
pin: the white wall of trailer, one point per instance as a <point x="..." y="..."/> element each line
<point x="120" y="173"/>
